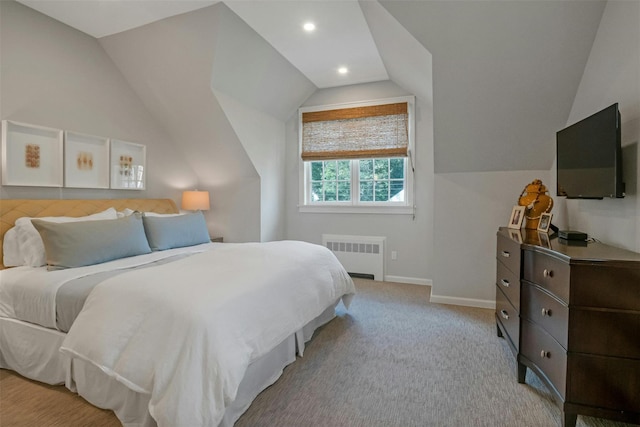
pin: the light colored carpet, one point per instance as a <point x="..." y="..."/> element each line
<point x="392" y="359"/>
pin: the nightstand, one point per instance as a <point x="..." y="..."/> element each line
<point x="217" y="239"/>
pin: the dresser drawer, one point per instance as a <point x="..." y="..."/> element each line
<point x="508" y="317"/>
<point x="508" y="251"/>
<point x="608" y="382"/>
<point x="545" y="352"/>
<point x="605" y="332"/>
<point x="509" y="283"/>
<point x="589" y="279"/>
<point x="548" y="272"/>
<point x="546" y="311"/>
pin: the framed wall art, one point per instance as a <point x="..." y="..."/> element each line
<point x="31" y="155"/>
<point x="86" y="161"/>
<point x="128" y="165"/>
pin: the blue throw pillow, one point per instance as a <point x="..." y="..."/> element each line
<point x="76" y="244"/>
<point x="167" y="232"/>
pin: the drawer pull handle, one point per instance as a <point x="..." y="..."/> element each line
<point x="504" y="314"/>
<point x="506" y="254"/>
<point x="547" y="273"/>
<point x="545" y="354"/>
<point x="546" y="312"/>
<point x="505" y="283"/>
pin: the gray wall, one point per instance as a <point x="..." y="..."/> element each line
<point x="612" y="74"/>
<point x="410" y="238"/>
<point x="185" y="71"/>
<point x="55" y="76"/>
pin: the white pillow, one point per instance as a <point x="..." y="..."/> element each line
<point x="30" y="242"/>
<point x="125" y="212"/>
<point x="11" y="255"/>
<point x="162" y="215"/>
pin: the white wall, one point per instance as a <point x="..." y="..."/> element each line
<point x="53" y="75"/>
<point x="469" y="208"/>
<point x="263" y="137"/>
<point x="258" y="91"/>
<point x="612" y="74"/>
<point x="210" y="100"/>
<point x="410" y="238"/>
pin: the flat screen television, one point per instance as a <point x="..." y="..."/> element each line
<point x="589" y="157"/>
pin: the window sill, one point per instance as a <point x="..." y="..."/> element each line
<point x="388" y="210"/>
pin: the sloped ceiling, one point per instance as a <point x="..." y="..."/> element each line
<point x="505" y="75"/>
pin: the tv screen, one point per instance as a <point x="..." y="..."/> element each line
<point x="589" y="157"/>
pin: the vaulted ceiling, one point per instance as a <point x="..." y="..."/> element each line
<point x="505" y="73"/>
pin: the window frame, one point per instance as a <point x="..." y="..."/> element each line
<point x="355" y="205"/>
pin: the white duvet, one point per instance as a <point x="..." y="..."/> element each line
<point x="29" y="293"/>
<point x="185" y="332"/>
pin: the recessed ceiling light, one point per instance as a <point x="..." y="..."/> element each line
<point x="343" y="70"/>
<point x="309" y="26"/>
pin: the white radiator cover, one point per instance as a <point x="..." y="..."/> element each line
<point x="358" y="254"/>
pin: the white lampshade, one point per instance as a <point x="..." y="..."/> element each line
<point x="195" y="200"/>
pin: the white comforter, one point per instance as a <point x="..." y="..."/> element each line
<point x="185" y="332"/>
<point x="29" y="293"/>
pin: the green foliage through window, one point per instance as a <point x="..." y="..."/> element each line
<point x="377" y="180"/>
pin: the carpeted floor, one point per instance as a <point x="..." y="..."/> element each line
<point x="392" y="359"/>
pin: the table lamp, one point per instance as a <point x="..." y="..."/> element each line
<point x="194" y="200"/>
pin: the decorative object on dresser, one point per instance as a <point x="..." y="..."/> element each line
<point x="517" y="216"/>
<point x="195" y="200"/>
<point x="571" y="314"/>
<point x="545" y="222"/>
<point x="536" y="201"/>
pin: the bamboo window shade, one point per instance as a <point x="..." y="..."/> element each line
<point x="359" y="132"/>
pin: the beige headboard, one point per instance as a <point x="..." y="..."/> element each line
<point x="12" y="209"/>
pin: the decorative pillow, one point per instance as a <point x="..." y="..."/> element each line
<point x="29" y="240"/>
<point x="83" y="243"/>
<point x="11" y="255"/>
<point x="176" y="231"/>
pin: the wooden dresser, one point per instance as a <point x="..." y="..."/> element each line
<point x="571" y="314"/>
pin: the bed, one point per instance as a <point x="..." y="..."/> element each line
<point x="170" y="331"/>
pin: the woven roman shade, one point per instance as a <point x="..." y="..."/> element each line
<point x="359" y="132"/>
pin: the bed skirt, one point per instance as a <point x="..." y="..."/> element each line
<point x="32" y="351"/>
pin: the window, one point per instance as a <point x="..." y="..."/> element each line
<point x="356" y="158"/>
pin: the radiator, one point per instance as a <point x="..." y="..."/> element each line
<point x="360" y="255"/>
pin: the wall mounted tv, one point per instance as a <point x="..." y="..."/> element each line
<point x="589" y="157"/>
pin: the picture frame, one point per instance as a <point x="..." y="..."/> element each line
<point x="86" y="161"/>
<point x="545" y="222"/>
<point x="517" y="216"/>
<point x="128" y="165"/>
<point x="31" y="155"/>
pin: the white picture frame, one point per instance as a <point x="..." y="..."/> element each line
<point x="545" y="222"/>
<point x="86" y="161"/>
<point x="127" y="165"/>
<point x="31" y="155"/>
<point x="517" y="216"/>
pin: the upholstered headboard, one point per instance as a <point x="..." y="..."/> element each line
<point x="12" y="209"/>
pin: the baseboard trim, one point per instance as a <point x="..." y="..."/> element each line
<point x="409" y="280"/>
<point x="467" y="302"/>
